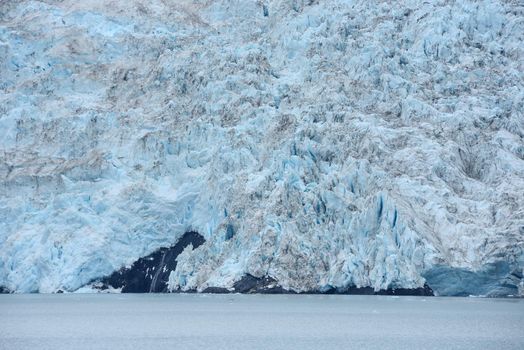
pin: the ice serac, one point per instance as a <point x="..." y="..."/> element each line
<point x="324" y="145"/>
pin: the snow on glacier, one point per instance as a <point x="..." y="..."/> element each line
<point x="327" y="144"/>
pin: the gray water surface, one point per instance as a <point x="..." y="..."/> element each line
<point x="203" y="321"/>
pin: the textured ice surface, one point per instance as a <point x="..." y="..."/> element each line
<point x="202" y="321"/>
<point x="324" y="144"/>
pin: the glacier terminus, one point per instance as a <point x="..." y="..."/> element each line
<point x="306" y="146"/>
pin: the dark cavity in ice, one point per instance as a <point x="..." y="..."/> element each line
<point x="150" y="274"/>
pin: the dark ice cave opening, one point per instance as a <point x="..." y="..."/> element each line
<point x="150" y="274"/>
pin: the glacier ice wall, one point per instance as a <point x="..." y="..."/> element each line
<point x="321" y="143"/>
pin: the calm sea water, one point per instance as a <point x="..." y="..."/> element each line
<point x="190" y="321"/>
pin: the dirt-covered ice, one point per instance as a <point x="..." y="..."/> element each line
<point x="323" y="144"/>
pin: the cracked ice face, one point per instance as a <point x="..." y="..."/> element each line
<point x="322" y="144"/>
